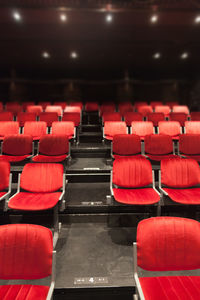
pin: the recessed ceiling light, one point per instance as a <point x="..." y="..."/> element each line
<point x="17" y="16"/>
<point x="184" y="55"/>
<point x="154" y="19"/>
<point x="74" y="55"/>
<point x="46" y="54"/>
<point x="109" y="18"/>
<point x="63" y="17"/>
<point x="197" y="19"/>
<point x="157" y="55"/>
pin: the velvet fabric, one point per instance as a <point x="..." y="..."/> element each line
<point x="132" y="172"/>
<point x="129" y="117"/>
<point x="115" y="116"/>
<point x="180" y="173"/>
<point x="126" y="144"/>
<point x="192" y="127"/>
<point x="23" y="117"/>
<point x="189" y="144"/>
<point x="168" y="244"/>
<point x="48" y="117"/>
<point x="4" y="175"/>
<point x="42" y="178"/>
<point x="142" y="196"/>
<point x="35" y="129"/>
<point x="63" y="128"/>
<point x="8" y="127"/>
<point x="156" y="117"/>
<point x="112" y="128"/>
<point x="171" y="287"/>
<point x="34" y="201"/>
<point x="25" y="252"/>
<point x="142" y="128"/>
<point x="17" y="145"/>
<point x="172" y="128"/>
<point x="6" y="116"/>
<point x="72" y="117"/>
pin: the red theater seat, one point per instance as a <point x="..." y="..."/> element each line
<point x="106" y="108"/>
<point x="44" y="104"/>
<point x="34" y="109"/>
<point x="54" y="109"/>
<point x="139" y="103"/>
<point x="180" y="117"/>
<point x="192" y="127"/>
<point x="158" y="147"/>
<point x="163" y="109"/>
<point x="171" y="103"/>
<point x="172" y="128"/>
<point x="35" y="129"/>
<point x="131" y="178"/>
<point x="74" y="109"/>
<point x="7" y="128"/>
<point x="181" y="108"/>
<point x="91" y="106"/>
<point x="62" y="104"/>
<point x="167" y="244"/>
<point x="6" y="116"/>
<point x="195" y="116"/>
<point x="125" y="107"/>
<point x="115" y="116"/>
<point x="26" y="253"/>
<point x="13" y="107"/>
<point x="52" y="148"/>
<point x="145" y="109"/>
<point x="64" y="128"/>
<point x="48" y="117"/>
<point x="155" y="103"/>
<point x="112" y="128"/>
<point x="16" y="148"/>
<point x="180" y="178"/>
<point x="74" y="117"/>
<point x="5" y="180"/>
<point x="156" y="117"/>
<point x="189" y="146"/>
<point x="23" y="117"/>
<point x="74" y="103"/>
<point x="126" y="145"/>
<point x="25" y="104"/>
<point x="142" y="128"/>
<point x="129" y="117"/>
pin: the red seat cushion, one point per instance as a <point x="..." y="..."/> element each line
<point x="136" y="196"/>
<point x="34" y="201"/>
<point x="13" y="158"/>
<point x="23" y="292"/>
<point x="184" y="196"/>
<point x="2" y="193"/>
<point x="48" y="158"/>
<point x="171" y="287"/>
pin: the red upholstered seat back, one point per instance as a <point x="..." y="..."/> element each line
<point x="72" y="117"/>
<point x="180" y="117"/>
<point x="44" y="104"/>
<point x="114" y="116"/>
<point x="54" y="145"/>
<point x="107" y="108"/>
<point x="181" y="108"/>
<point x="171" y="103"/>
<point x="189" y="144"/>
<point x="35" y="128"/>
<point x="168" y="244"/>
<point x="42" y="177"/>
<point x="91" y="106"/>
<point x="63" y="128"/>
<point x="17" y="145"/>
<point x="26" y="104"/>
<point x="195" y="115"/>
<point x="156" y="117"/>
<point x="74" y="109"/>
<point x="126" y="144"/>
<point x="171" y="128"/>
<point x="74" y="103"/>
<point x="112" y="128"/>
<point x="155" y="103"/>
<point x="4" y="175"/>
<point x="9" y="127"/>
<point x="129" y="117"/>
<point x="142" y="128"/>
<point x="13" y="107"/>
<point x="34" y="108"/>
<point x="23" y="117"/>
<point x="61" y="103"/>
<point x="25" y="251"/>
<point x="48" y="117"/>
<point x="165" y="109"/>
<point x="145" y="109"/>
<point x="192" y="127"/>
<point x="125" y="107"/>
<point x="6" y="116"/>
<point x="180" y="173"/>
<point x="54" y="108"/>
<point x="132" y="172"/>
<point x="158" y="144"/>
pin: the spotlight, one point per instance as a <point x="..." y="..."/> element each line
<point x="109" y="18"/>
<point x="63" y="17"/>
<point x="45" y="54"/>
<point x="157" y="55"/>
<point x="17" y="16"/>
<point x="74" y="55"/>
<point x="184" y="55"/>
<point x="197" y="19"/>
<point x="154" y="19"/>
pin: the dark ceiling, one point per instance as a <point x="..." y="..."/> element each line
<point x="106" y="50"/>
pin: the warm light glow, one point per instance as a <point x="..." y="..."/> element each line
<point x="17" y="16"/>
<point x="45" y="54"/>
<point x="63" y="17"/>
<point x="74" y="55"/>
<point x="197" y="19"/>
<point x="184" y="55"/>
<point x="157" y="55"/>
<point x="109" y="18"/>
<point x="154" y="19"/>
